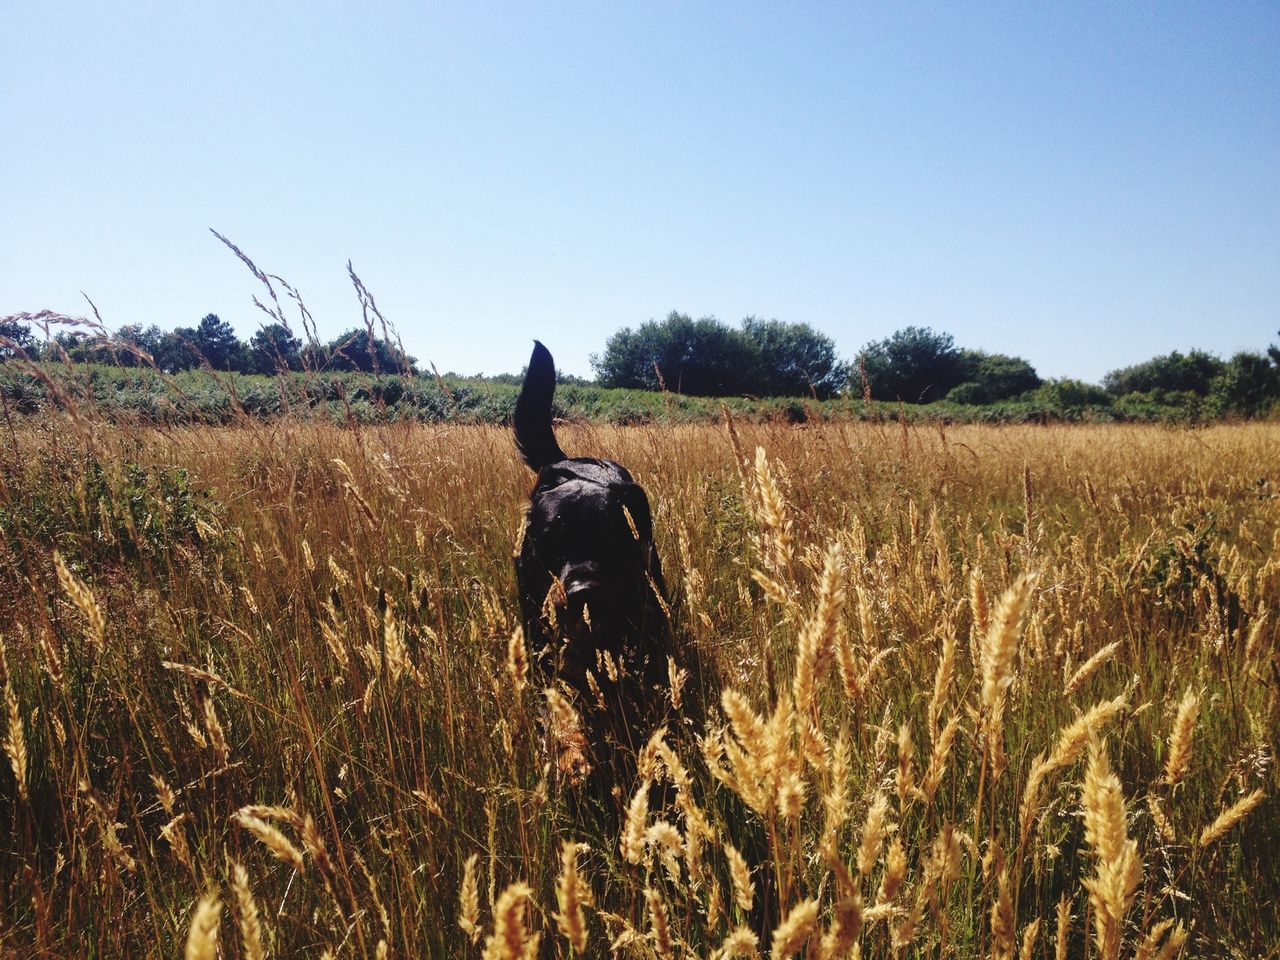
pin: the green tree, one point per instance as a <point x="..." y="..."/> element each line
<point x="697" y="357"/>
<point x="916" y="365"/>
<point x="992" y="377"/>
<point x="132" y="340"/>
<point x="77" y="346"/>
<point x="15" y="336"/>
<point x="795" y="359"/>
<point x="1274" y="353"/>
<point x="1193" y="372"/>
<point x="273" y="348"/>
<point x="176" y="350"/>
<point x="355" y="350"/>
<point x="1247" y="386"/>
<point x="218" y="344"/>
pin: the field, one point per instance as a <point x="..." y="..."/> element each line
<point x="974" y="691"/>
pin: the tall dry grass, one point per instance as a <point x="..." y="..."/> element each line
<point x="982" y="691"/>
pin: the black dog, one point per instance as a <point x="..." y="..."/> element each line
<point x="591" y="590"/>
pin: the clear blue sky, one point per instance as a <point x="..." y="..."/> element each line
<point x="1085" y="185"/>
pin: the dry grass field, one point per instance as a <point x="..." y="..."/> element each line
<point x="987" y="691"/>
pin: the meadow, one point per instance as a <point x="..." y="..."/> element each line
<point x="1008" y="691"/>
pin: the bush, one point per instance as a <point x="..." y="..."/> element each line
<point x="1247" y="386"/>
<point x="991" y="377"/>
<point x="1193" y="372"/>
<point x="1065" y="392"/>
<point x="969" y="392"/>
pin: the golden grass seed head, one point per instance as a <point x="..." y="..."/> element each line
<point x="1063" y="929"/>
<point x="109" y="829"/>
<point x="51" y="654"/>
<point x="874" y="830"/>
<point x="202" y="935"/>
<point x="83" y="599"/>
<point x="835" y="800"/>
<point x="313" y="843"/>
<point x="938" y="757"/>
<point x="175" y="834"/>
<point x="1030" y="804"/>
<point x="1002" y="919"/>
<point x="275" y="841"/>
<point x="845" y="925"/>
<point x="631" y="844"/>
<point x="248" y="917"/>
<point x="943" y="678"/>
<point x="164" y="793"/>
<point x="572" y="749"/>
<point x="659" y="924"/>
<point x="1173" y="944"/>
<point x="895" y="869"/>
<point x="798" y="925"/>
<point x="1119" y="868"/>
<point x="469" y="899"/>
<point x="1090" y="667"/>
<point x="216" y="733"/>
<point x="904" y="932"/>
<point x="517" y="660"/>
<point x="572" y="894"/>
<point x="510" y="939"/>
<point x="1147" y="947"/>
<point x="665" y="838"/>
<point x="1075" y="736"/>
<point x="747" y="726"/>
<point x="676" y="679"/>
<point x="905" y="778"/>
<point x="1181" y="738"/>
<point x="772" y="513"/>
<point x="1103" y="803"/>
<point x="1000" y="644"/>
<point x="744" y="890"/>
<point x="15" y="743"/>
<point x="944" y="862"/>
<point x="738" y="942"/>
<point x="1229" y="817"/>
<point x="266" y="811"/>
<point x="1029" y="934"/>
<point x="792" y="792"/>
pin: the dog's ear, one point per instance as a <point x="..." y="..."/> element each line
<point x="535" y="438"/>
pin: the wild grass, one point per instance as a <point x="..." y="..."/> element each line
<point x="1007" y="691"/>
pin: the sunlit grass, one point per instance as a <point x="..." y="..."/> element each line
<point x="295" y="694"/>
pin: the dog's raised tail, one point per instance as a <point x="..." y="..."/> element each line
<point x="535" y="438"/>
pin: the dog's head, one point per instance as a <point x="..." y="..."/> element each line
<point x="588" y="545"/>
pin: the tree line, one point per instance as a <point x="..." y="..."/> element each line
<point x="212" y="342"/>
<point x="706" y="357"/>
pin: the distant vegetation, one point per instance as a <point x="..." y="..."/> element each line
<point x="676" y="369"/>
<point x="706" y="358"/>
<point x="211" y="344"/>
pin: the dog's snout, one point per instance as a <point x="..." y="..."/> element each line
<point x="581" y="589"/>
<point x="581" y="581"/>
